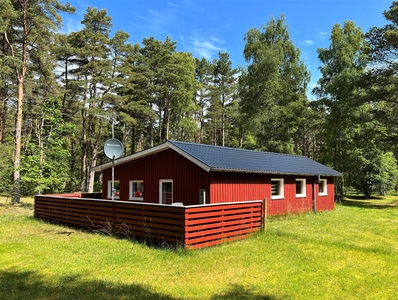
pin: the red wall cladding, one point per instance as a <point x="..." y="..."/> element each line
<point x="220" y="187"/>
<point x="187" y="177"/>
<point x="230" y="187"/>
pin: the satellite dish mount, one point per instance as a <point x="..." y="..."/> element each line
<point x="113" y="149"/>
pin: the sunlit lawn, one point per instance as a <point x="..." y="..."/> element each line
<point x="348" y="253"/>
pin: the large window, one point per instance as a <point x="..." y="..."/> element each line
<point x="300" y="188"/>
<point x="166" y="191"/>
<point x="136" y="190"/>
<point x="116" y="189"/>
<point x="277" y="188"/>
<point x="323" y="191"/>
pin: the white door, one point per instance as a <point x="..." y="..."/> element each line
<point x="166" y="191"/>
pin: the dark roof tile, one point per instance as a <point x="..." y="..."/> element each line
<point x="240" y="160"/>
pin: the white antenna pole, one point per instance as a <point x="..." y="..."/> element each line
<point x="113" y="178"/>
<point x="110" y="147"/>
<point x="113" y="128"/>
<point x="112" y="118"/>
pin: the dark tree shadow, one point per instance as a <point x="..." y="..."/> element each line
<point x="373" y="203"/>
<point x="237" y="291"/>
<point x="9" y="203"/>
<point x="30" y="286"/>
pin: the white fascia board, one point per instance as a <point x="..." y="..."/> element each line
<point x="189" y="157"/>
<point x="132" y="157"/>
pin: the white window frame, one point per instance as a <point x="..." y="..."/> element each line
<point x="324" y="183"/>
<point x="303" y="192"/>
<point x="110" y="189"/>
<point x="161" y="190"/>
<point x="281" y="194"/>
<point x="131" y="191"/>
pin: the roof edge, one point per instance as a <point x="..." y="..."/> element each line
<point x="156" y="149"/>
<point x="188" y="156"/>
<point x="275" y="173"/>
<point x="132" y="157"/>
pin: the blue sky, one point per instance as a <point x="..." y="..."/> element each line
<point x="205" y="27"/>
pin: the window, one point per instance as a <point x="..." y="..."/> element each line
<point x="277" y="189"/>
<point x="136" y="190"/>
<point x="116" y="189"/>
<point x="301" y="188"/>
<point x="323" y="191"/>
<point x="166" y="191"/>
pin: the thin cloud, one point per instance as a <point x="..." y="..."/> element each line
<point x="307" y="43"/>
<point x="159" y="20"/>
<point x="207" y="47"/>
<point x="71" y="25"/>
<point x="173" y="4"/>
<point x="322" y="35"/>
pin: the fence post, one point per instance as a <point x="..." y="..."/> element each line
<point x="113" y="218"/>
<point x="264" y="227"/>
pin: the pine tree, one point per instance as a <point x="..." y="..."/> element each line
<point x="27" y="29"/>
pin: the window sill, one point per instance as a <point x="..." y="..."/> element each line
<point x="137" y="198"/>
<point x="322" y="194"/>
<point x="277" y="197"/>
<point x="301" y="196"/>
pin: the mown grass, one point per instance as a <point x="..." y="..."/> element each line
<point x="348" y="253"/>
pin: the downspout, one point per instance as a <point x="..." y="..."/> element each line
<point x="314" y="194"/>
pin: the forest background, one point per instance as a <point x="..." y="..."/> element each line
<point x="60" y="94"/>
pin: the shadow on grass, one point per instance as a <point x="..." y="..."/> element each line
<point x="237" y="291"/>
<point x="373" y="203"/>
<point x="9" y="203"/>
<point x="30" y="286"/>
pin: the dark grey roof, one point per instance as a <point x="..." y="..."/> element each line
<point x="240" y="160"/>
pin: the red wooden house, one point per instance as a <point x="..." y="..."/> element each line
<point x="181" y="173"/>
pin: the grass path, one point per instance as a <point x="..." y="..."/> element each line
<point x="348" y="253"/>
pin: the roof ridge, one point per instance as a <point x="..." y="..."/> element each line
<point x="232" y="148"/>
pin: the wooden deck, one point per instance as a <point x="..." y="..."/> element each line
<point x="194" y="227"/>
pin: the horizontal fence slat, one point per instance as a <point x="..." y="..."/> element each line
<point x="226" y="224"/>
<point x="220" y="230"/>
<point x="217" y="219"/>
<point x="138" y="222"/>
<point x="224" y="206"/>
<point x="193" y="226"/>
<point x="219" y="237"/>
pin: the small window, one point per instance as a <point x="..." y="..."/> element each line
<point x="277" y="189"/>
<point x="136" y="190"/>
<point x="301" y="188"/>
<point x="115" y="188"/>
<point x="166" y="191"/>
<point x="323" y="191"/>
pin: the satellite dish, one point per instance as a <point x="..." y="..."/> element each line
<point x="113" y="148"/>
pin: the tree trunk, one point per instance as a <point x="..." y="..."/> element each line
<point x="95" y="151"/>
<point x="3" y="112"/>
<point x="17" y="143"/>
<point x="20" y="72"/>
<point x="40" y="135"/>
<point x="84" y="155"/>
<point x="91" y="178"/>
<point x="166" y="119"/>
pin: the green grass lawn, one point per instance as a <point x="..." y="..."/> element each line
<point x="348" y="253"/>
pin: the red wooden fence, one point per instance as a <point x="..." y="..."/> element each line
<point x="194" y="227"/>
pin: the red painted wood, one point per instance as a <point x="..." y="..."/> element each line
<point x="220" y="187"/>
<point x="228" y="187"/>
<point x="187" y="177"/>
<point x="214" y="224"/>
<point x="193" y="226"/>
